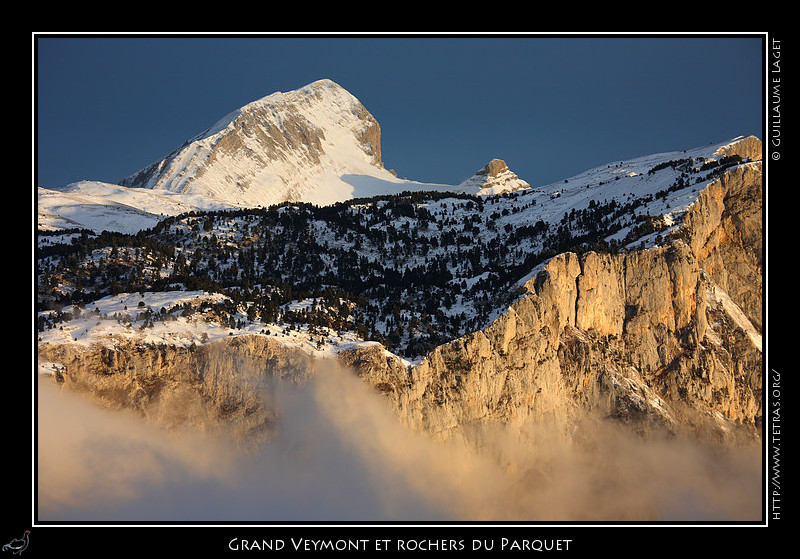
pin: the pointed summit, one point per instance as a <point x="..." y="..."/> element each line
<point x="494" y="178"/>
<point x="295" y="146"/>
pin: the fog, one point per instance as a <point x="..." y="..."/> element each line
<point x="339" y="454"/>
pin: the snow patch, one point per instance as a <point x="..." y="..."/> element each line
<point x="717" y="296"/>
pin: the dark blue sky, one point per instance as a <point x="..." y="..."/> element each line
<point x="550" y="107"/>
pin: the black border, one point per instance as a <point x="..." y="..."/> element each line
<point x="214" y="539"/>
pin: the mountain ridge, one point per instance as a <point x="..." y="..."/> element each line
<point x="317" y="144"/>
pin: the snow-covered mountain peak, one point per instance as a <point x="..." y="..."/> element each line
<point x="300" y="145"/>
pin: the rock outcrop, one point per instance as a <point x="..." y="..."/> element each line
<point x="225" y="386"/>
<point x="494" y="178"/>
<point x="724" y="230"/>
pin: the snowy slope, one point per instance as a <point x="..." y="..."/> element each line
<point x="633" y="180"/>
<point x="126" y="317"/>
<point x="101" y="206"/>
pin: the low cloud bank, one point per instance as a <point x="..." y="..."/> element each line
<point x="339" y="454"/>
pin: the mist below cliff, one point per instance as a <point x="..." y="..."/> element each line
<point x="339" y="454"/>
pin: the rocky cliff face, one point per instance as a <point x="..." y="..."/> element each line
<point x="662" y="340"/>
<point x="640" y="339"/>
<point x="222" y="387"/>
<point x="724" y="231"/>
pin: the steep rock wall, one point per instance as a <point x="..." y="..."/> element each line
<point x="640" y="338"/>
<point x="223" y="386"/>
<point x="724" y="229"/>
<point x="600" y="337"/>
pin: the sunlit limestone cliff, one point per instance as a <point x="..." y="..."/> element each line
<point x="665" y="339"/>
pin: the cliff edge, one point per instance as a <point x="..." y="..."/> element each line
<point x="663" y="340"/>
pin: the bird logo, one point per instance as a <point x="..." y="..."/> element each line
<point x="18" y="545"/>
